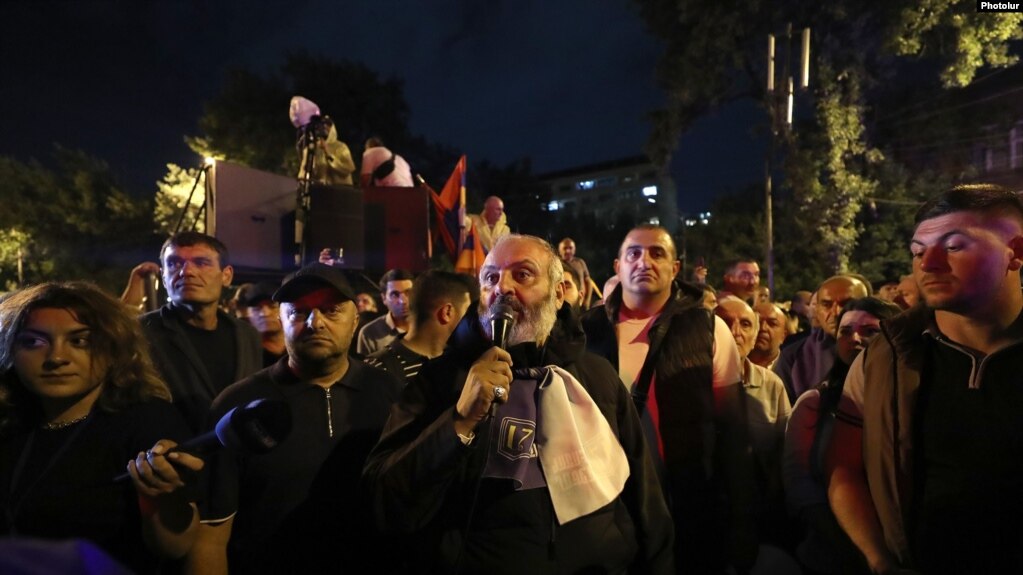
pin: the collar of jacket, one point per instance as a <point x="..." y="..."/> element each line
<point x="683" y="296"/>
<point x="282" y="375"/>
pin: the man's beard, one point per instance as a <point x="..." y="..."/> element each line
<point x="534" y="324"/>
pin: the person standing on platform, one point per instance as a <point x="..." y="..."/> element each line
<point x="491" y="223"/>
<point x="382" y="167"/>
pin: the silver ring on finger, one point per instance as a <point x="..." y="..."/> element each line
<point x="499" y="392"/>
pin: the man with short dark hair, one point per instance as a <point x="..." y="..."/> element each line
<point x="395" y="286"/>
<point x="529" y="460"/>
<point x="682" y="366"/>
<point x="198" y="349"/>
<point x="741" y="279"/>
<point x="573" y="291"/>
<point x="437" y="303"/>
<point x="567" y="250"/>
<point x="933" y="481"/>
<point x="298" y="508"/>
<point x="254" y="302"/>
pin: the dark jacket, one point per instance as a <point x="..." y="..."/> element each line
<point x="708" y="466"/>
<point x="893" y="364"/>
<point x="426" y="484"/>
<point x="192" y="389"/>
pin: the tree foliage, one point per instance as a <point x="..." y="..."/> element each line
<point x="716" y="52"/>
<point x="179" y="198"/>
<point x="70" y="222"/>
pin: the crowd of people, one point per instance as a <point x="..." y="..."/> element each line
<point x="525" y="421"/>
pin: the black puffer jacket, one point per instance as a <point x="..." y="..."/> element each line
<point x="424" y="481"/>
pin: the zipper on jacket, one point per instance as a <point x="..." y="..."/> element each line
<point x="330" y="419"/>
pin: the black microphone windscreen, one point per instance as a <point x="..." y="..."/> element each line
<point x="502" y="318"/>
<point x="257" y="427"/>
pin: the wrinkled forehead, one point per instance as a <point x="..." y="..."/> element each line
<point x="841" y="289"/>
<point x="516" y="252"/>
<point x="769" y="311"/>
<point x="731" y="309"/>
<point x="645" y="239"/>
<point x="192" y="251"/>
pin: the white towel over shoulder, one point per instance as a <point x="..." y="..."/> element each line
<point x="582" y="460"/>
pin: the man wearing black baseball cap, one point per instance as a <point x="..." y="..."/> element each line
<point x="254" y="302"/>
<point x="298" y="509"/>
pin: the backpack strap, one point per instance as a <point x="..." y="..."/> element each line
<point x="384" y="169"/>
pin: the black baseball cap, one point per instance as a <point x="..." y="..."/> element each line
<point x="311" y="277"/>
<point x="251" y="294"/>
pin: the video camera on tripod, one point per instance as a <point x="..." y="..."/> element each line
<point x="316" y="130"/>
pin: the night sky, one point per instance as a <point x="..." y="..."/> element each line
<point x="566" y="83"/>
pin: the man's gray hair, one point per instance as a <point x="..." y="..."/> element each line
<point x="555" y="271"/>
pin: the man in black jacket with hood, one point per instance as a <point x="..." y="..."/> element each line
<point x="477" y="492"/>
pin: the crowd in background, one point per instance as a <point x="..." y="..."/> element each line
<point x="660" y="424"/>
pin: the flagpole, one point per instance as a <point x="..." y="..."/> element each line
<point x="429" y="224"/>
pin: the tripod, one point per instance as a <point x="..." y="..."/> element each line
<point x="308" y="141"/>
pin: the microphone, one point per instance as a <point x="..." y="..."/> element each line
<point x="502" y="319"/>
<point x="257" y="427"/>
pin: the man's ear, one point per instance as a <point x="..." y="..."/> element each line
<point x="227" y="274"/>
<point x="1016" y="260"/>
<point x="675" y="267"/>
<point x="445" y="314"/>
<point x="616" y="266"/>
<point x="559" y="293"/>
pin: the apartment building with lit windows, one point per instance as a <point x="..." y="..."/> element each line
<point x="629" y="185"/>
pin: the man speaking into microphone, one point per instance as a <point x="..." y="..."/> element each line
<point x="557" y="480"/>
<point x="298" y="508"/>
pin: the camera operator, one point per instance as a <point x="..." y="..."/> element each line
<point x="332" y="162"/>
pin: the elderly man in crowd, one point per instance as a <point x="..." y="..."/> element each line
<point x="529" y="460"/>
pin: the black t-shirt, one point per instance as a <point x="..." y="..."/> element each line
<point x="969" y="504"/>
<point x="399" y="360"/>
<point x="218" y="350"/>
<point x="65" y="485"/>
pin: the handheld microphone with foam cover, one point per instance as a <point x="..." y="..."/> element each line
<point x="502" y="319"/>
<point x="257" y="427"/>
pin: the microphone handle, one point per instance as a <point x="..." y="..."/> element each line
<point x="500" y="330"/>
<point x="194" y="444"/>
